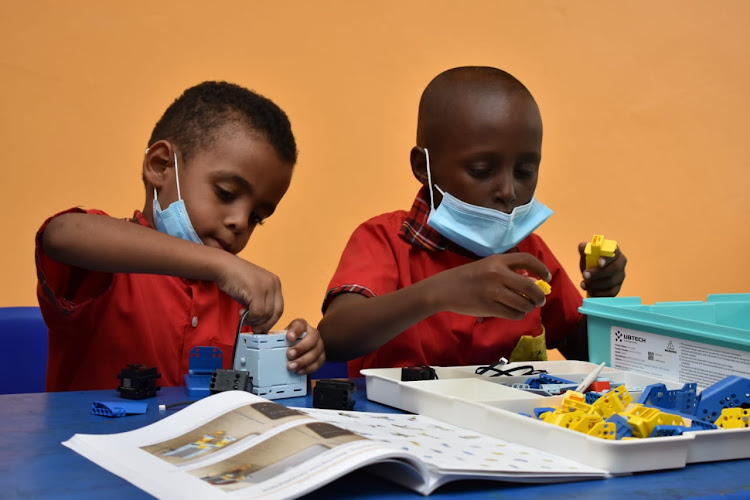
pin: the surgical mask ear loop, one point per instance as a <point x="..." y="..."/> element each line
<point x="429" y="178"/>
<point x="177" y="177"/>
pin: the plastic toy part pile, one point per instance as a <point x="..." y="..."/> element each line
<point x="659" y="412"/>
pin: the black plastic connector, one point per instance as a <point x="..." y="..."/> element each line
<point x="230" y="380"/>
<point x="138" y="382"/>
<point x="412" y="373"/>
<point x="333" y="394"/>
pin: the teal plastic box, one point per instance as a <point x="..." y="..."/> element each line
<point x="682" y="341"/>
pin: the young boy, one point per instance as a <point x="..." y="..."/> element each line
<point x="452" y="281"/>
<point x="116" y="291"/>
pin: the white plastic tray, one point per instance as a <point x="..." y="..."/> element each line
<point x="484" y="404"/>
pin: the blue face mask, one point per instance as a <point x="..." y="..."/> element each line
<point x="175" y="220"/>
<point x="483" y="231"/>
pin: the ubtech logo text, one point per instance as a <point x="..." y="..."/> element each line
<point x="634" y="338"/>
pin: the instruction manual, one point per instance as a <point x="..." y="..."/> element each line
<point x="238" y="445"/>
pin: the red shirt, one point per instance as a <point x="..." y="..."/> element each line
<point x="397" y="249"/>
<point x="100" y="322"/>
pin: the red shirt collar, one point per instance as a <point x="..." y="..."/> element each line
<point x="415" y="230"/>
<point x="140" y="219"/>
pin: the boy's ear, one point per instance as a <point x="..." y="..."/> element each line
<point x="419" y="164"/>
<point x="159" y="157"/>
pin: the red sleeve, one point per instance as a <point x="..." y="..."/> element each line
<point x="560" y="315"/>
<point x="62" y="288"/>
<point x="368" y="264"/>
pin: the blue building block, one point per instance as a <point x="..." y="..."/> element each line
<point x="545" y="378"/>
<point x="622" y="429"/>
<point x="542" y="409"/>
<point x="683" y="400"/>
<point x="591" y="397"/>
<point x="201" y="365"/>
<point x="731" y="392"/>
<point x="670" y="430"/>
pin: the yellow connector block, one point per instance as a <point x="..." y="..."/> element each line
<point x="643" y="420"/>
<point x="575" y="401"/>
<point x="587" y="423"/>
<point x="544" y="286"/>
<point x="733" y="418"/>
<point x="598" y="247"/>
<point x="604" y="430"/>
<point x="614" y="401"/>
<point x="563" y="419"/>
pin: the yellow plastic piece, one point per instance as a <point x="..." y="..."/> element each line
<point x="544" y="286"/>
<point x="563" y="419"/>
<point x="734" y="418"/>
<point x="575" y="401"/>
<point x="643" y="419"/>
<point x="598" y="247"/>
<point x="586" y="423"/>
<point x="604" y="430"/>
<point x="614" y="401"/>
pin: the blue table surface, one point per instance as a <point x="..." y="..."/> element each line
<point x="33" y="463"/>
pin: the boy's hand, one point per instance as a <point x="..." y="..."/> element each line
<point x="492" y="287"/>
<point x="308" y="354"/>
<point x="606" y="279"/>
<point x="254" y="288"/>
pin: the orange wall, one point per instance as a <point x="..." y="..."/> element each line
<point x="645" y="107"/>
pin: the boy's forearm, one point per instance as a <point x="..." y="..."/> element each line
<point x="355" y="325"/>
<point x="101" y="243"/>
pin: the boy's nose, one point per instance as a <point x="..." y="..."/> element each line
<point x="505" y="193"/>
<point x="238" y="221"/>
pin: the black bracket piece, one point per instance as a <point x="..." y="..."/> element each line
<point x="230" y="380"/>
<point x="412" y="373"/>
<point x="138" y="382"/>
<point x="333" y="394"/>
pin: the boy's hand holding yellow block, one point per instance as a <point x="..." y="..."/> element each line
<point x="599" y="247"/>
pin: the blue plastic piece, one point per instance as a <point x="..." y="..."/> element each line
<point x="731" y="392"/>
<point x="591" y="397"/>
<point x="670" y="430"/>
<point x="542" y="409"/>
<point x="544" y="378"/>
<point x="622" y="429"/>
<point x="204" y="360"/>
<point x="118" y="408"/>
<point x="683" y="400"/>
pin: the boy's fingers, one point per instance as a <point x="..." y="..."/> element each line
<point x="582" y="253"/>
<point x="308" y="362"/>
<point x="529" y="263"/>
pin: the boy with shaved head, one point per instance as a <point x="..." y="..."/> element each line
<point x="451" y="282"/>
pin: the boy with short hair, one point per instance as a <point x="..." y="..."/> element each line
<point x="452" y="281"/>
<point x="116" y="291"/>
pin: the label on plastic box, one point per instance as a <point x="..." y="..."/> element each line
<point x="675" y="359"/>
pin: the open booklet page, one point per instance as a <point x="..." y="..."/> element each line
<point x="238" y="445"/>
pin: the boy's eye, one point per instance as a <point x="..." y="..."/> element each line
<point x="223" y="194"/>
<point x="525" y="171"/>
<point x="256" y="219"/>
<point x="480" y="171"/>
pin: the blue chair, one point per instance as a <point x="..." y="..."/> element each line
<point x="23" y="350"/>
<point x="331" y="369"/>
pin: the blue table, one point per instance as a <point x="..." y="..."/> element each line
<point x="33" y="463"/>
